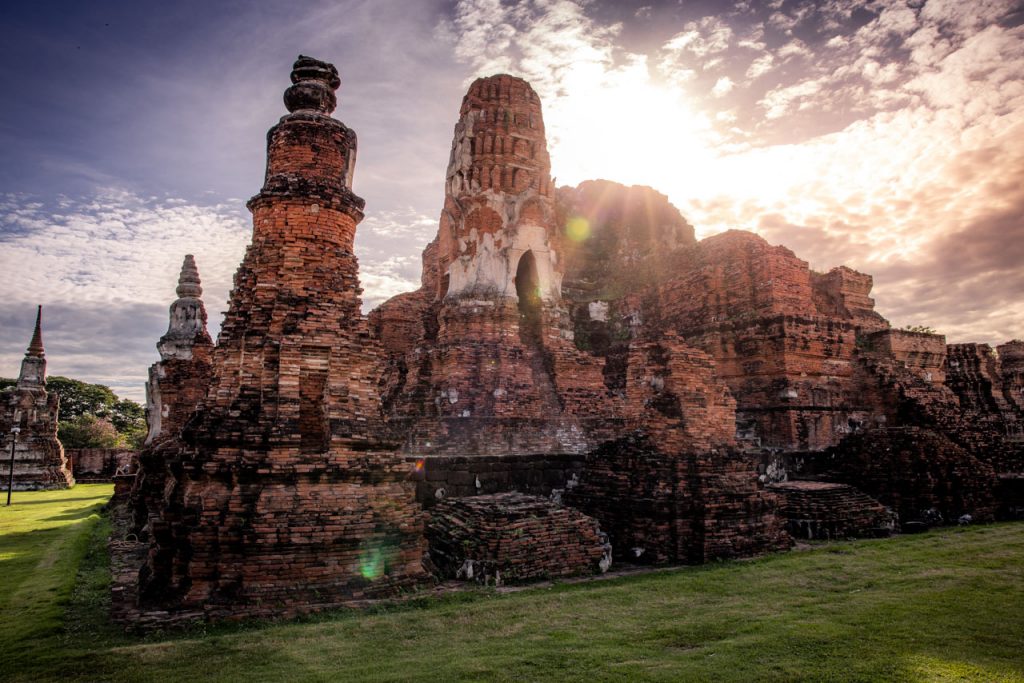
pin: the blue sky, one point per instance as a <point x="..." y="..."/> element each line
<point x="883" y="134"/>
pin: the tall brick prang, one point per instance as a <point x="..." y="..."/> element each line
<point x="482" y="355"/>
<point x="39" y="461"/>
<point x="286" y="495"/>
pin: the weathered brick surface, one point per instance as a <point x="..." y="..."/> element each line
<point x="843" y="293"/>
<point x="914" y="470"/>
<point x="1011" y="362"/>
<point x="825" y="510"/>
<point x="487" y="339"/>
<point x="991" y="422"/>
<point x="177" y="385"/>
<point x="668" y="507"/>
<point x="100" y="464"/>
<point x="286" y="495"/>
<point x="508" y="537"/>
<point x="39" y="460"/>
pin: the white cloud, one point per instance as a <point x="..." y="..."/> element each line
<point x="760" y="66"/>
<point x="723" y="86"/>
<point x="116" y="247"/>
<point x="780" y="101"/>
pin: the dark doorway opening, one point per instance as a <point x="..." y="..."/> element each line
<point x="528" y="291"/>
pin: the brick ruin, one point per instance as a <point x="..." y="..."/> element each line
<point x="176" y="387"/>
<point x="283" y="491"/>
<point x="39" y="460"/>
<point x="574" y="367"/>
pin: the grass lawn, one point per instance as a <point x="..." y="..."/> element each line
<point x="942" y="606"/>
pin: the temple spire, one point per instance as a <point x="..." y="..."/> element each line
<point x="187" y="325"/>
<point x="33" y="365"/>
<point x="35" y="347"/>
<point x="188" y="281"/>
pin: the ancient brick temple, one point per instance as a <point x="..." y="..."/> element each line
<point x="575" y="368"/>
<point x="39" y="461"/>
<point x="484" y="363"/>
<point x="284" y="493"/>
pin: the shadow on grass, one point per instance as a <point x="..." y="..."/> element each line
<point x="18" y="503"/>
<point x="71" y="516"/>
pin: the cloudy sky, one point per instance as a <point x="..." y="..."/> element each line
<point x="887" y="135"/>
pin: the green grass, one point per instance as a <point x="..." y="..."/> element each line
<point x="43" y="537"/>
<point x="943" y="606"/>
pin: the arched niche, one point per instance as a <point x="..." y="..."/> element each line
<point x="528" y="291"/>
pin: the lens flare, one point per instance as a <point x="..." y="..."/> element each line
<point x="371" y="563"/>
<point x="577" y="228"/>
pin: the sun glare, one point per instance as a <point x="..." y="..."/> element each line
<point x="622" y="126"/>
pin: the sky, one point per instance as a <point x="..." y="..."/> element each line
<point x="887" y="135"/>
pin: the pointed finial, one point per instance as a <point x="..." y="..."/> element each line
<point x="35" y="347"/>
<point x="188" y="281"/>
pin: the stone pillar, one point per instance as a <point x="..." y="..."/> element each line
<point x="287" y="496"/>
<point x="39" y="461"/>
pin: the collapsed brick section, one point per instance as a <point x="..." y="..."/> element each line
<point x="915" y="471"/>
<point x="509" y="537"/>
<point x="285" y="495"/>
<point x="39" y="460"/>
<point x="782" y="337"/>
<point x="922" y="353"/>
<point x="824" y="510"/>
<point x="993" y="421"/>
<point x="667" y="507"/>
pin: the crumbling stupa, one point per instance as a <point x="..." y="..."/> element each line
<point x="39" y="461"/>
<point x="284" y="492"/>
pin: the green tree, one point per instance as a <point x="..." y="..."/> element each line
<point x="89" y="431"/>
<point x="80" y="398"/>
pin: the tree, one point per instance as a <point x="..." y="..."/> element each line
<point x="79" y="398"/>
<point x="89" y="431"/>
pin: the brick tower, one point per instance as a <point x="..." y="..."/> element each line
<point x="39" y="461"/>
<point x="177" y="385"/>
<point x="287" y="496"/>
<point x="488" y="333"/>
